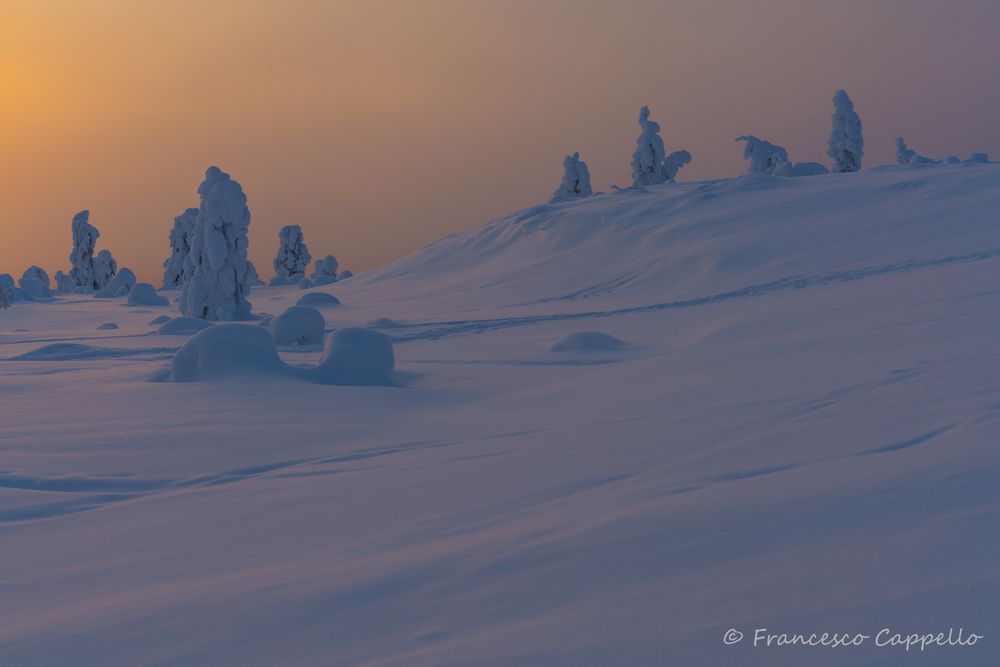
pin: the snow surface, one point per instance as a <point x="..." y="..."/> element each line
<point x="800" y="435"/>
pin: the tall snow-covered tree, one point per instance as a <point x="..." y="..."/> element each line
<point x="6" y="291"/>
<point x="325" y="270"/>
<point x="222" y="279"/>
<point x="575" y="181"/>
<point x="81" y="260"/>
<point x="105" y="268"/>
<point x="846" y="146"/>
<point x="178" y="268"/>
<point x="764" y="157"/>
<point x="647" y="160"/>
<point x="293" y="256"/>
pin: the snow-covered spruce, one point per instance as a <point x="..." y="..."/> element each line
<point x="105" y="268"/>
<point x="36" y="273"/>
<point x="120" y="285"/>
<point x="178" y="268"/>
<point x="222" y="277"/>
<point x="81" y="259"/>
<point x="575" y="181"/>
<point x="298" y="325"/>
<point x="325" y="271"/>
<point x="846" y="146"/>
<point x="64" y="283"/>
<point x="6" y="291"/>
<point x="144" y="294"/>
<point x="763" y="156"/>
<point x="293" y="256"/>
<point x="650" y="163"/>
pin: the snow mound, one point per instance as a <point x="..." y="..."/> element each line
<point x="183" y="326"/>
<point x="587" y="341"/>
<point x="118" y="285"/>
<point x="299" y="325"/>
<point x="107" y="326"/>
<point x="355" y="356"/>
<point x="160" y="319"/>
<point x="318" y="300"/>
<point x="382" y="323"/>
<point x="144" y="294"/>
<point x="34" y="289"/>
<point x="226" y="350"/>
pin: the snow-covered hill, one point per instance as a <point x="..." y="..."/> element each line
<point x="798" y="434"/>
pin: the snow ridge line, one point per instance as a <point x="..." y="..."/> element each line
<point x="436" y="330"/>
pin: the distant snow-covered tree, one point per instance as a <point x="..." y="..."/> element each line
<point x="177" y="268"/>
<point x="119" y="285"/>
<point x="222" y="277"/>
<point x="673" y="163"/>
<point x="253" y="276"/>
<point x="293" y="256"/>
<point x="6" y="291"/>
<point x="36" y="273"/>
<point x="575" y="181"/>
<point x="846" y="146"/>
<point x="764" y="156"/>
<point x="905" y="155"/>
<point x="105" y="268"/>
<point x="647" y="160"/>
<point x="81" y="260"/>
<point x="325" y="270"/>
<point x="344" y="275"/>
<point x="64" y="283"/>
<point x="34" y="284"/>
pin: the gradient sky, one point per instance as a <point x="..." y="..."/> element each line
<point x="381" y="125"/>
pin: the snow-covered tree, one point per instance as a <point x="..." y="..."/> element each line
<point x="120" y="285"/>
<point x="764" y="157"/>
<point x="6" y="291"/>
<point x="34" y="284"/>
<point x="344" y="275"/>
<point x="82" y="258"/>
<point x="36" y="273"/>
<point x="906" y="155"/>
<point x="105" y="268"/>
<point x="293" y="256"/>
<point x="222" y="277"/>
<point x="177" y="268"/>
<point x="575" y="181"/>
<point x="650" y="163"/>
<point x="846" y="146"/>
<point x="325" y="270"/>
<point x="253" y="276"/>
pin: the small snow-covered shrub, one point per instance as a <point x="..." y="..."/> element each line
<point x="846" y="146"/>
<point x="293" y="256"/>
<point x="182" y="326"/>
<point x="107" y="326"/>
<point x="906" y="155"/>
<point x="105" y="269"/>
<point x="226" y="350"/>
<point x="178" y="268"/>
<point x="305" y="283"/>
<point x="763" y="156"/>
<point x="144" y="294"/>
<point x="587" y="341"/>
<point x="6" y="291"/>
<point x="64" y="284"/>
<point x="120" y="285"/>
<point x="222" y="277"/>
<point x="575" y="181"/>
<point x="978" y="158"/>
<point x="325" y="270"/>
<point x="36" y="273"/>
<point x="81" y="259"/>
<point x="318" y="300"/>
<point x="344" y="275"/>
<point x="298" y="325"/>
<point x="355" y="356"/>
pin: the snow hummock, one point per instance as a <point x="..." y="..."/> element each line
<point x="575" y="181"/>
<point x="81" y="273"/>
<point x="298" y="325"/>
<point x="222" y="279"/>
<point x="182" y="326"/>
<point x="325" y="271"/>
<point x="318" y="300"/>
<point x="355" y="356"/>
<point x="226" y="350"/>
<point x="144" y="294"/>
<point x="160" y="319"/>
<point x="846" y="146"/>
<point x="36" y="273"/>
<point x="119" y="285"/>
<point x="107" y="326"/>
<point x="178" y="268"/>
<point x="587" y="341"/>
<point x="293" y="256"/>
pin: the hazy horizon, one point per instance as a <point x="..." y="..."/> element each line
<point x="382" y="126"/>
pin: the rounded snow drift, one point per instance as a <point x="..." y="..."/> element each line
<point x="382" y="323"/>
<point x="355" y="356"/>
<point x="226" y="350"/>
<point x="160" y="319"/>
<point x="587" y="341"/>
<point x="318" y="300"/>
<point x="183" y="326"/>
<point x="299" y="325"/>
<point x="107" y="326"/>
<point x="144" y="294"/>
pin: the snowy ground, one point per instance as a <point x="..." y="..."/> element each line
<point x="801" y="434"/>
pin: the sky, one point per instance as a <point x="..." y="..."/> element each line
<point x="382" y="125"/>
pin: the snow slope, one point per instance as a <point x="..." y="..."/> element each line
<point x="799" y="433"/>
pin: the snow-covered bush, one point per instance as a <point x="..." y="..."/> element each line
<point x="355" y="356"/>
<point x="120" y="285"/>
<point x="325" y="270"/>
<point x="36" y="273"/>
<point x="298" y="325"/>
<point x="6" y="291"/>
<point x="33" y="289"/>
<point x="226" y="350"/>
<point x="809" y="169"/>
<point x="906" y="155"/>
<point x="305" y="283"/>
<point x="650" y="163"/>
<point x="144" y="294"/>
<point x="64" y="283"/>
<point x="178" y="268"/>
<point x="344" y="275"/>
<point x="318" y="300"/>
<point x="105" y="268"/>
<point x="846" y="146"/>
<point x="977" y="158"/>
<point x="764" y="157"/>
<point x="107" y="326"/>
<point x="575" y="181"/>
<point x="81" y="260"/>
<point x="293" y="256"/>
<point x="222" y="277"/>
